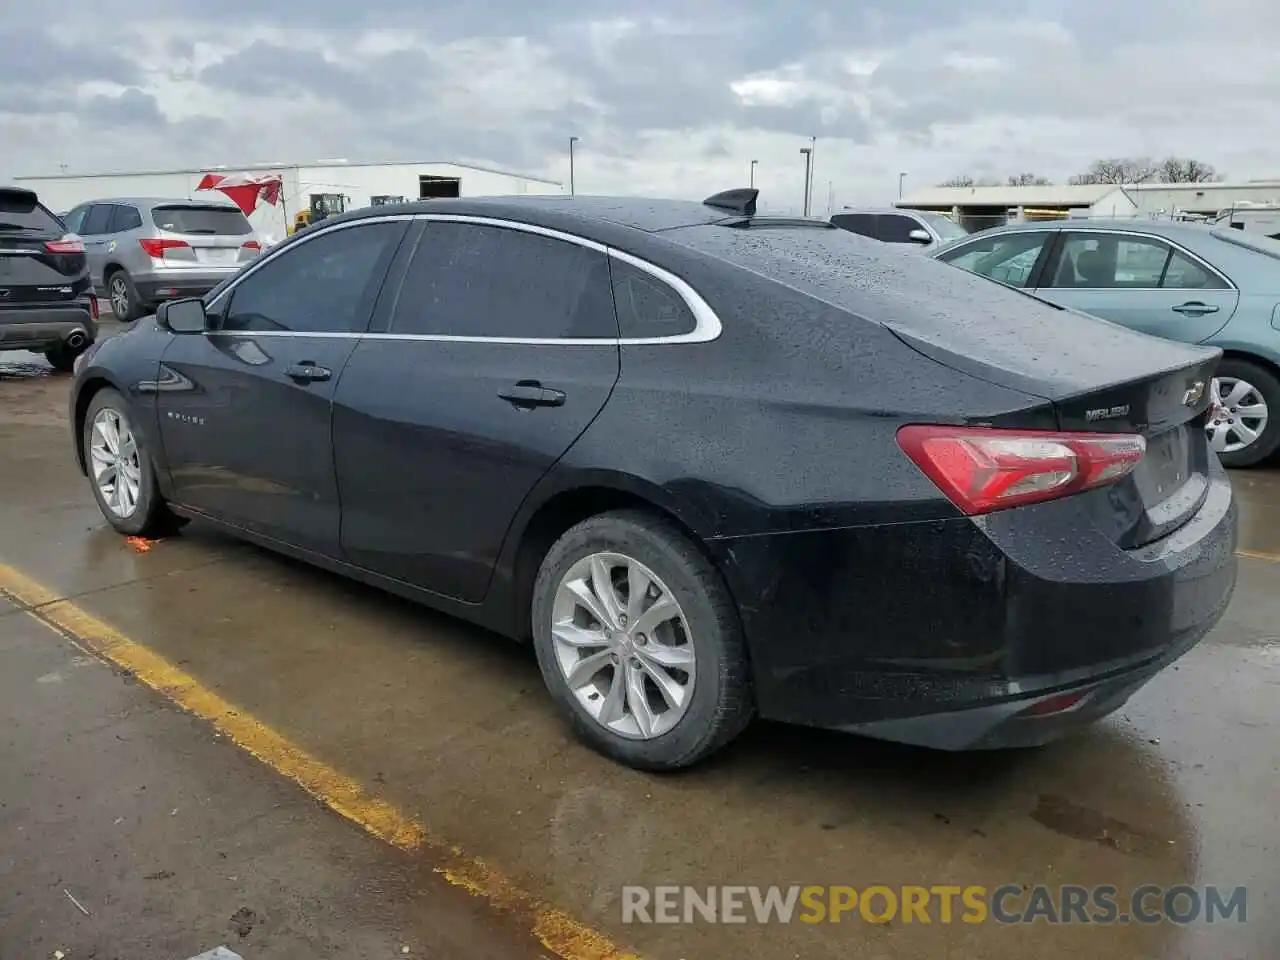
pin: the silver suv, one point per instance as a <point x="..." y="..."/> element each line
<point x="142" y="252"/>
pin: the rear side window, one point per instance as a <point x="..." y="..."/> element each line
<point x="860" y="223"/>
<point x="211" y="221"/>
<point x="646" y="306"/>
<point x="21" y="211"/>
<point x="126" y="218"/>
<point x="98" y="220"/>
<point x="474" y="280"/>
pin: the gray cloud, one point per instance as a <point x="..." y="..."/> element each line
<point x="649" y="87"/>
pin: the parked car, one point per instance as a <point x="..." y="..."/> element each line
<point x="46" y="304"/>
<point x="912" y="228"/>
<point x="144" y="251"/>
<point x="1187" y="282"/>
<point x="705" y="471"/>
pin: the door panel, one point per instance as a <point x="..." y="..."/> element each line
<point x="246" y="410"/>
<point x="1140" y="282"/>
<point x="438" y="442"/>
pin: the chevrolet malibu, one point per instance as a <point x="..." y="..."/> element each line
<point x="713" y="464"/>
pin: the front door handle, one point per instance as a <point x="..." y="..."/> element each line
<point x="528" y="394"/>
<point x="307" y="372"/>
<point x="1195" y="308"/>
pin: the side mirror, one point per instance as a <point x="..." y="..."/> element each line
<point x="183" y="316"/>
<point x="920" y="236"/>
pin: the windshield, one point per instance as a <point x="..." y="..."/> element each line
<point x="946" y="229"/>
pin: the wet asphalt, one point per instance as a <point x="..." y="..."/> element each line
<point x="175" y="841"/>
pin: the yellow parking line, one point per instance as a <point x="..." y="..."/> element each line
<point x="557" y="931"/>
<point x="1259" y="555"/>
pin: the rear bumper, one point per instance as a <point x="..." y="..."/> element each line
<point x="42" y="327"/>
<point x="946" y="633"/>
<point x="157" y="288"/>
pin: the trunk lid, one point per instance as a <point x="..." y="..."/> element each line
<point x="1102" y="378"/>
<point x="30" y="273"/>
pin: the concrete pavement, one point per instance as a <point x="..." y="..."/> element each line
<point x="449" y="727"/>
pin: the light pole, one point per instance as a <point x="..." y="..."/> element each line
<point x="901" y="177"/>
<point x="808" y="170"/>
<point x="572" y="141"/>
<point x="752" y="181"/>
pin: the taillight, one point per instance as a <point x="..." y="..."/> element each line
<point x="156" y="246"/>
<point x="69" y="243"/>
<point x="252" y="245"/>
<point x="93" y="306"/>
<point x="982" y="469"/>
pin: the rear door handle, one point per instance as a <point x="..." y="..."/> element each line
<point x="528" y="394"/>
<point x="307" y="372"/>
<point x="1195" y="308"/>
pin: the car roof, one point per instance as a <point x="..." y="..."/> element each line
<point x="646" y="214"/>
<point x="878" y="211"/>
<point x="148" y="203"/>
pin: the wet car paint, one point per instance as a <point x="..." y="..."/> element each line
<point x="1172" y="789"/>
<point x="790" y="378"/>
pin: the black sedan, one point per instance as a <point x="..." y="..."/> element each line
<point x="715" y="464"/>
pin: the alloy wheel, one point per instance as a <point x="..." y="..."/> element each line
<point x="623" y="645"/>
<point x="119" y="293"/>
<point x="113" y="455"/>
<point x="1237" y="414"/>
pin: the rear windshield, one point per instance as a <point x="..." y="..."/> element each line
<point x="220" y="221"/>
<point x="19" y="211"/>
<point x="1255" y="242"/>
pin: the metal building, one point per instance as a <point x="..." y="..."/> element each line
<point x="348" y="184"/>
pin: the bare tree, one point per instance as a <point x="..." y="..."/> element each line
<point x="1028" y="180"/>
<point x="1117" y="170"/>
<point x="1186" y="170"/>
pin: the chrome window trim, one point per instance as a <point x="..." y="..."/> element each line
<point x="958" y="251"/>
<point x="707" y="326"/>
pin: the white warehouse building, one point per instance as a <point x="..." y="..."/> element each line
<point x="354" y="185"/>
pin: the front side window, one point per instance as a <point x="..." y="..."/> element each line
<point x="324" y="285"/>
<point x="1009" y="258"/>
<point x="477" y="280"/>
<point x="75" y="219"/>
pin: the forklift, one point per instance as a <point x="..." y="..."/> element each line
<point x="323" y="206"/>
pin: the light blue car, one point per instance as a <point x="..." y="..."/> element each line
<point x="1181" y="281"/>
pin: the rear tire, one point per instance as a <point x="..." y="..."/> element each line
<point x="1267" y="386"/>
<point x="138" y="509"/>
<point x="695" y="643"/>
<point x="123" y="296"/>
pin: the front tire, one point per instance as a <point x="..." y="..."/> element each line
<point x="640" y="643"/>
<point x="120" y="469"/>
<point x="1246" y="402"/>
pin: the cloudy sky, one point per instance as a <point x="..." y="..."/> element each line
<point x="667" y="98"/>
